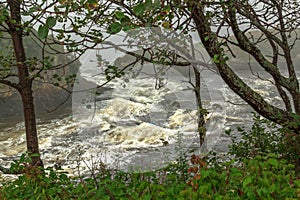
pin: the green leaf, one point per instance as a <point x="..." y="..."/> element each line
<point x="216" y="58"/>
<point x="149" y="4"/>
<point x="139" y="9"/>
<point x="125" y="19"/>
<point x="114" y="28"/>
<point x="119" y="15"/>
<point x="33" y="9"/>
<point x="147" y="197"/>
<point x="273" y="162"/>
<point x="43" y="32"/>
<point x="75" y="6"/>
<point x="157" y="4"/>
<point x="247" y="181"/>
<point x="127" y="27"/>
<point x="50" y="22"/>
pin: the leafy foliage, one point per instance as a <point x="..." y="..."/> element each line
<point x="263" y="177"/>
<point x="263" y="138"/>
<point x="113" y="72"/>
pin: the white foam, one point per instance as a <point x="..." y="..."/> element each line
<point x="181" y="118"/>
<point x="122" y="108"/>
<point x="143" y="135"/>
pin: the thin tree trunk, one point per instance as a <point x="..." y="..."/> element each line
<point x="200" y="114"/>
<point x="30" y="125"/>
<point x="25" y="82"/>
<point x="200" y="117"/>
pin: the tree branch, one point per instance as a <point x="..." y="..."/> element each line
<point x="256" y="101"/>
<point x="11" y="84"/>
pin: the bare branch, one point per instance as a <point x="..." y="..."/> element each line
<point x="11" y="84"/>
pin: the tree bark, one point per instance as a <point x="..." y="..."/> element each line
<point x="282" y="117"/>
<point x="25" y="82"/>
<point x="30" y="124"/>
<point x="256" y="101"/>
<point x="201" y="115"/>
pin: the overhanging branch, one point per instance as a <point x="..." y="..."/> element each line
<point x="11" y="84"/>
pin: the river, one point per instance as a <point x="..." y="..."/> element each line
<point x="141" y="121"/>
<point x="134" y="126"/>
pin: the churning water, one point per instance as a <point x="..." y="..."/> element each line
<point x="141" y="121"/>
<point x="133" y="126"/>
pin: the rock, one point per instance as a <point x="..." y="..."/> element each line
<point x="46" y="98"/>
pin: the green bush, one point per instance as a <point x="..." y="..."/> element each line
<point x="263" y="177"/>
<point x="263" y="138"/>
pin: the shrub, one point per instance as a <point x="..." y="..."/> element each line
<point x="263" y="138"/>
<point x="263" y="177"/>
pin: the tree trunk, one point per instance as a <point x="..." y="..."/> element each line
<point x="25" y="82"/>
<point x="201" y="113"/>
<point x="256" y="101"/>
<point x="30" y="124"/>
